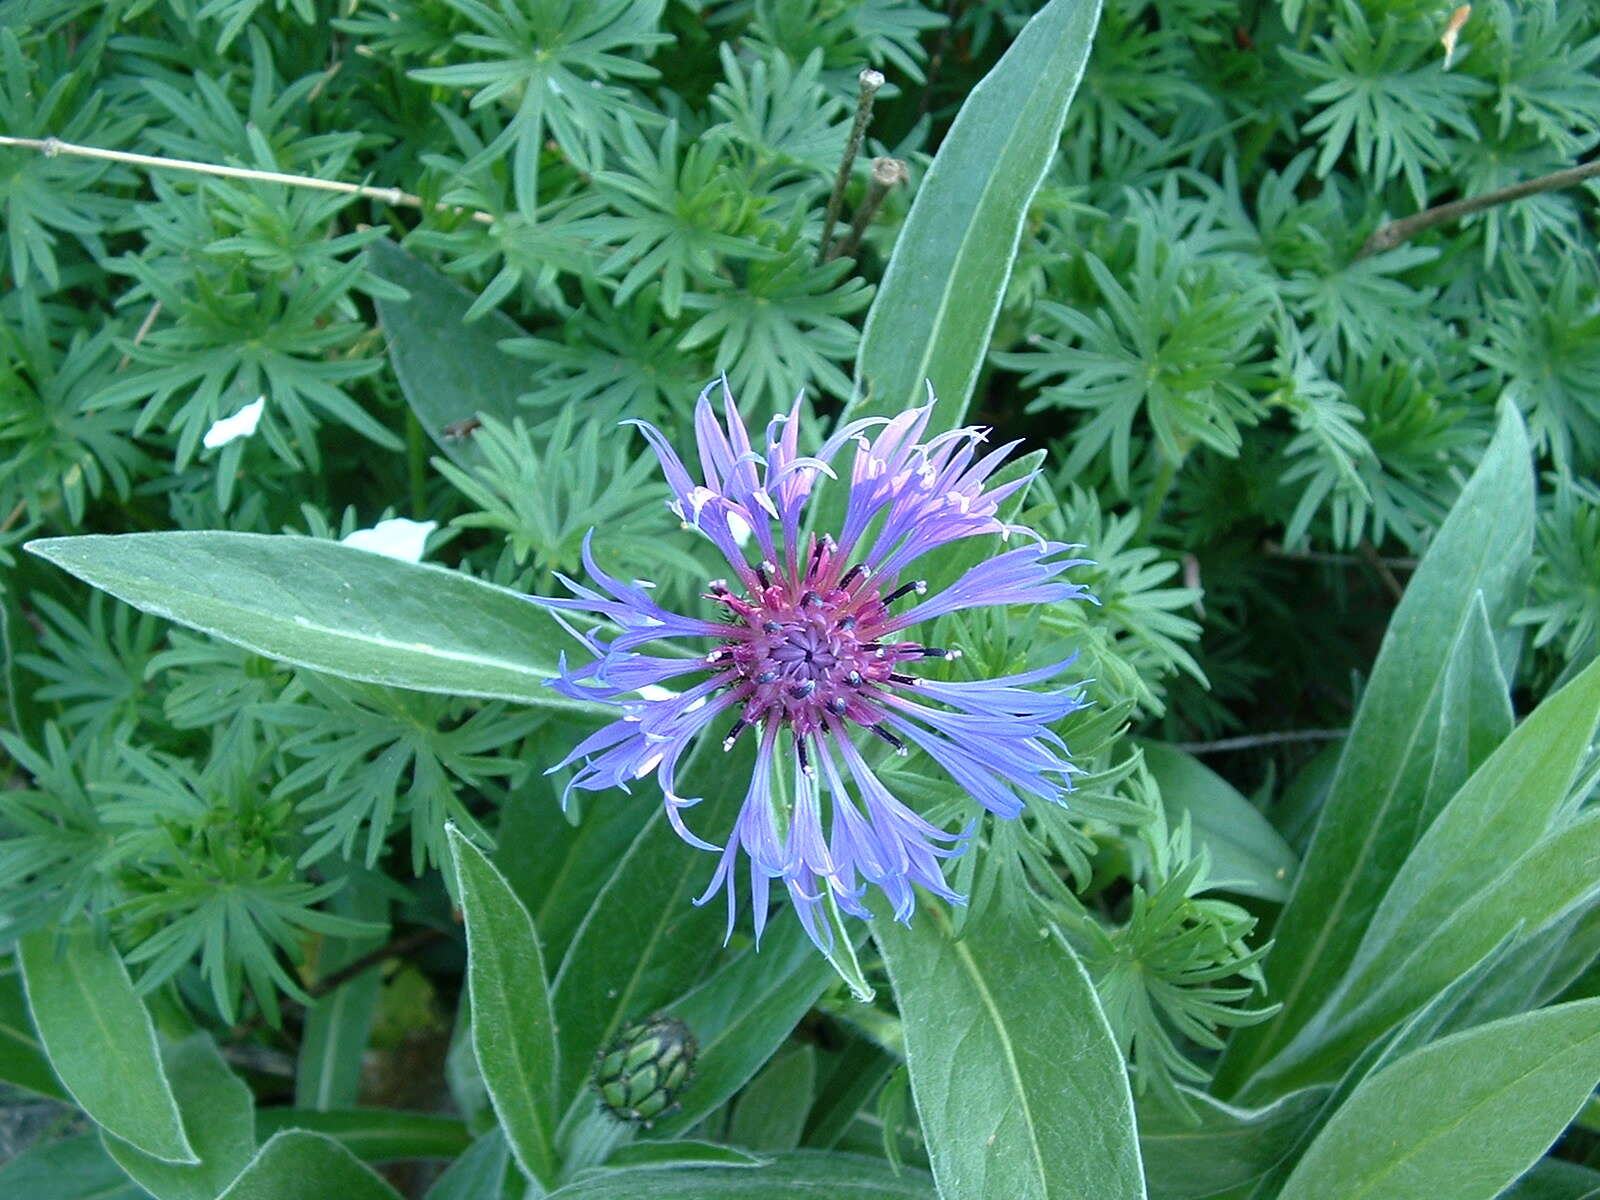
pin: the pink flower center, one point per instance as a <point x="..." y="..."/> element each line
<point x="811" y="647"/>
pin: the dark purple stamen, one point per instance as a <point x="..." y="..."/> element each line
<point x="880" y="731"/>
<point x="919" y="587"/>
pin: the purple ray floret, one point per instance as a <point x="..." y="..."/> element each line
<point x="807" y="646"/>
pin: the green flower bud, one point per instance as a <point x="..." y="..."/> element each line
<point x="640" y="1075"/>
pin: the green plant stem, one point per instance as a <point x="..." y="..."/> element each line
<point x="1256" y="740"/>
<point x="1156" y="497"/>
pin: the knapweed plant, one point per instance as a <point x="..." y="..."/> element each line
<point x="809" y="649"/>
<point x="879" y="599"/>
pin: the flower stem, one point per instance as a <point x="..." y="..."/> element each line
<point x="870" y="81"/>
<point x="886" y="173"/>
<point x="1156" y="497"/>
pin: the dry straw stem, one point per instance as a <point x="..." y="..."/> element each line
<point x="887" y="173"/>
<point x="1387" y="237"/>
<point x="870" y="82"/>
<point x="52" y="147"/>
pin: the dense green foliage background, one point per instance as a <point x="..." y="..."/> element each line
<point x="1255" y="429"/>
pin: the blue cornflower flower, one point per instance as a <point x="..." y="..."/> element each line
<point x="808" y="647"/>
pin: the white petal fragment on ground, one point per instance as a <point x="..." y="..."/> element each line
<point x="230" y="429"/>
<point x="396" y="537"/>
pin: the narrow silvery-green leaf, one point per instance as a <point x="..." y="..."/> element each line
<point x="330" y="607"/>
<point x="449" y="370"/>
<point x="859" y="1071"/>
<point x="75" y="1168"/>
<point x="513" y="1028"/>
<point x="1501" y="811"/>
<point x="557" y="868"/>
<point x="942" y="290"/>
<point x="22" y="1060"/>
<point x="1474" y="713"/>
<point x="772" y="1108"/>
<point x="328" y="1070"/>
<point x="1368" y="824"/>
<point x="479" y="1172"/>
<point x="1216" y="1147"/>
<point x="1555" y="878"/>
<point x="1555" y="1179"/>
<point x="218" y="1115"/>
<point x="1462" y="1117"/>
<point x="741" y="1015"/>
<point x="99" y="1038"/>
<point x="1483" y="868"/>
<point x="297" y="1164"/>
<point x="1247" y="855"/>
<point x="1416" y="1031"/>
<point x="374" y="1134"/>
<point x="642" y="942"/>
<point x="684" y="1152"/>
<point x="797" y="1176"/>
<point x="1015" y="1072"/>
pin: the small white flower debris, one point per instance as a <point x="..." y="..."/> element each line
<point x="740" y="528"/>
<point x="396" y="538"/>
<point x="241" y="425"/>
<point x="1452" y="31"/>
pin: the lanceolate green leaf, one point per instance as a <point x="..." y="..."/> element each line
<point x="1555" y="1179"/>
<point x="1474" y="713"/>
<point x="1503" y="809"/>
<point x="22" y="1060"/>
<point x="741" y="1014"/>
<point x="75" y="1168"/>
<point x="557" y="868"/>
<point x="100" y="1040"/>
<point x="479" y="1172"/>
<point x="374" y="1134"/>
<point x="1462" y="1117"/>
<point x="679" y="1153"/>
<point x="798" y="1176"/>
<point x="513" y="1028"/>
<point x="942" y="291"/>
<point x="450" y="371"/>
<point x="330" y="607"/>
<point x="1219" y="1147"/>
<point x="1551" y="881"/>
<point x="1368" y="821"/>
<point x="218" y="1115"/>
<point x="328" y="1071"/>
<point x="772" y="1108"/>
<point x="642" y="942"/>
<point x="295" y="1161"/>
<point x="1467" y="882"/>
<point x="1016" y="1075"/>
<point x="1247" y="855"/>
<point x="1416" y="1031"/>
